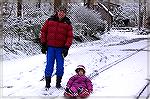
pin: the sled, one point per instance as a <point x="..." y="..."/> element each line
<point x="83" y="94"/>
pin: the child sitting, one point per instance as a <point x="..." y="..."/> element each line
<point x="79" y="85"/>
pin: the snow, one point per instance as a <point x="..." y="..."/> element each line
<point x="116" y="69"/>
<point x="117" y="65"/>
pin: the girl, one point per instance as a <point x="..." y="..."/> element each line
<point x="79" y="85"/>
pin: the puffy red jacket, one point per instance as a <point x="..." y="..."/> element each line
<point x="57" y="33"/>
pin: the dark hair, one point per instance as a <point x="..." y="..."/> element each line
<point x="62" y="8"/>
<point x="78" y="69"/>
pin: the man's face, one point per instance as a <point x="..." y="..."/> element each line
<point x="61" y="14"/>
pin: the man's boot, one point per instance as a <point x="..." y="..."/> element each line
<point x="48" y="81"/>
<point x="58" y="81"/>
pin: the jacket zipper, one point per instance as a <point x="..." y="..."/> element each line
<point x="56" y="31"/>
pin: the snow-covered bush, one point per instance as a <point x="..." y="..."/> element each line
<point x="19" y="33"/>
<point x="86" y="22"/>
<point x="31" y="21"/>
<point x="126" y="11"/>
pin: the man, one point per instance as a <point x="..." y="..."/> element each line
<point x="56" y="38"/>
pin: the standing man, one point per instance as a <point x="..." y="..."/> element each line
<point x="56" y="38"/>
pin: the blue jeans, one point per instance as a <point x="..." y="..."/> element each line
<point x="53" y="54"/>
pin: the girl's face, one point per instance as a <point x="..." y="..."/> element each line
<point x="81" y="72"/>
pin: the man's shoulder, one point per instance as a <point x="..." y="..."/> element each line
<point x="51" y="18"/>
<point x="67" y="20"/>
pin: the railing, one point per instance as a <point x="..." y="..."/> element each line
<point x="144" y="89"/>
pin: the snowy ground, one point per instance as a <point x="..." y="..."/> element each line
<point x="117" y="65"/>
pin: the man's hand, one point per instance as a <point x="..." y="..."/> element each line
<point x="44" y="49"/>
<point x="65" y="52"/>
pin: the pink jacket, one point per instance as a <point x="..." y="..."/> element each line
<point x="80" y="81"/>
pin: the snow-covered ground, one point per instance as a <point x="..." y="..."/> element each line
<point x="117" y="65"/>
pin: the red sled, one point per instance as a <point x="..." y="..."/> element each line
<point x="83" y="94"/>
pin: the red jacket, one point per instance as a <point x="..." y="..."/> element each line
<point x="57" y="33"/>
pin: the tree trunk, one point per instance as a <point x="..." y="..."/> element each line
<point x="57" y="3"/>
<point x="90" y="3"/>
<point x="109" y="5"/>
<point x="140" y="16"/>
<point x="144" y="14"/>
<point x="109" y="17"/>
<point x="84" y="2"/>
<point x="19" y="8"/>
<point x="38" y="5"/>
<point x="66" y="2"/>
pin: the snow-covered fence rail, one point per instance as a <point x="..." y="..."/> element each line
<point x="146" y="86"/>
